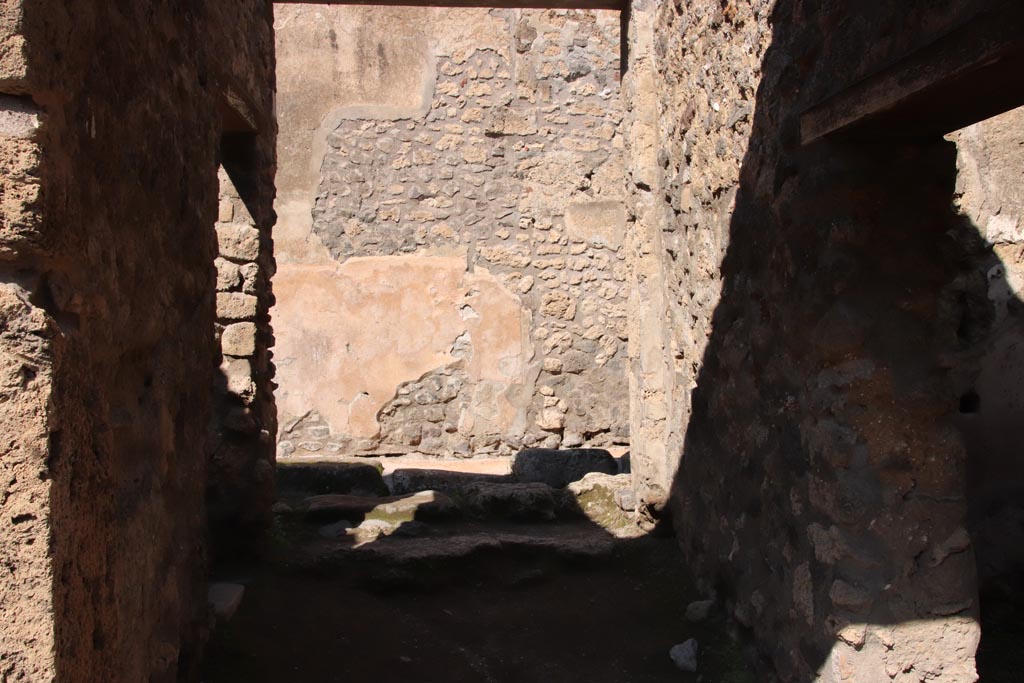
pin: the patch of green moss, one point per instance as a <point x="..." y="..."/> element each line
<point x="598" y="504"/>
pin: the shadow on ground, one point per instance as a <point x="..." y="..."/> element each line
<point x="473" y="594"/>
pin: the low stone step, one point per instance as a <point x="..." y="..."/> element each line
<point x="391" y="509"/>
<point x="447" y="481"/>
<point x="451" y="549"/>
<point x="515" y="501"/>
<point x="559" y="467"/>
<point x="328" y="477"/>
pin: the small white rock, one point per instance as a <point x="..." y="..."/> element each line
<point x="684" y="655"/>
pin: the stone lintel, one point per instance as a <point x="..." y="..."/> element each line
<point x="970" y="74"/>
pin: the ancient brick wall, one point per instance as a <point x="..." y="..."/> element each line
<point x="501" y="190"/>
<point x="823" y="302"/>
<point x="108" y="347"/>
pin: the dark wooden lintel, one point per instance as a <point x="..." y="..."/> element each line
<point x="972" y="73"/>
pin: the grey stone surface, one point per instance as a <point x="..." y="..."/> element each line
<point x="389" y="509"/>
<point x="514" y="501"/>
<point x="684" y="655"/>
<point x="331" y="477"/>
<point x="698" y="610"/>
<point x="558" y="468"/>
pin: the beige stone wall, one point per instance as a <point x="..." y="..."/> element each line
<point x="452" y="209"/>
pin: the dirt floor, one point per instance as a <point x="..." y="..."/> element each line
<point x="495" y="619"/>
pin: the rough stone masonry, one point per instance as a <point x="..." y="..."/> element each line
<point x="818" y="313"/>
<point x="815" y="335"/>
<point x="111" y="122"/>
<point x="464" y="255"/>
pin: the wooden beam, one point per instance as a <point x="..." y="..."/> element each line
<point x="972" y="73"/>
<point x="617" y="5"/>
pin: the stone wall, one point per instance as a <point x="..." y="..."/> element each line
<point x="990" y="193"/>
<point x="464" y="251"/>
<point x="112" y="116"/>
<point x="240" y="490"/>
<point x="823" y="307"/>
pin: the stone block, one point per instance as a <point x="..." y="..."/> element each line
<point x="225" y="210"/>
<point x="238" y="242"/>
<point x="239" y="340"/>
<point x="238" y="377"/>
<point x="235" y="306"/>
<point x="228" y="277"/>
<point x="250" y="274"/>
<point x="526" y="501"/>
<point x="560" y="467"/>
<point x="558" y="304"/>
<point x="602" y="223"/>
<point x="322" y="477"/>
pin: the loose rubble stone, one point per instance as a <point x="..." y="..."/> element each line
<point x="698" y="610"/>
<point x="684" y="655"/>
<point x="626" y="499"/>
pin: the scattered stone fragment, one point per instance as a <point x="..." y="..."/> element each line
<point x="684" y="655"/>
<point x="626" y="499"/>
